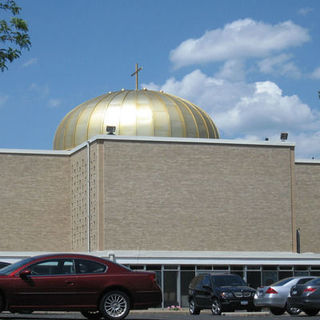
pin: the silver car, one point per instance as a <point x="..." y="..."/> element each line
<point x="276" y="295"/>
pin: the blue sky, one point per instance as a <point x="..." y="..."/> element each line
<point x="253" y="65"/>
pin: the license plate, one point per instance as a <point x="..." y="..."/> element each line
<point x="244" y="303"/>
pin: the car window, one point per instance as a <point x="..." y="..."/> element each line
<point x="228" y="280"/>
<point x="315" y="282"/>
<point x="206" y="282"/>
<point x="193" y="282"/>
<point x="282" y="282"/>
<point x="53" y="267"/>
<point x="198" y="284"/>
<point x="88" y="266"/>
<point x="302" y="281"/>
<point x="12" y="267"/>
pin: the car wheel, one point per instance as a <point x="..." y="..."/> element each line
<point x="115" y="305"/>
<point x="292" y="310"/>
<point x="277" y="311"/>
<point x="92" y="315"/>
<point x="192" y="308"/>
<point x="1" y="303"/>
<point x="216" y="307"/>
<point x="311" y="312"/>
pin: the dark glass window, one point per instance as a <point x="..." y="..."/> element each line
<point x="285" y="274"/>
<point x="300" y="267"/>
<point x="186" y="277"/>
<point x="269" y="267"/>
<point x="206" y="282"/>
<point x="302" y="281"/>
<point x="315" y="282"/>
<point x="154" y="267"/>
<point x="88" y="266"/>
<point x="253" y="268"/>
<point x="53" y="267"/>
<point x="170" y="288"/>
<point x="282" y="282"/>
<point x="227" y="280"/>
<point x="254" y="279"/>
<point x="269" y="277"/>
<point x="198" y="282"/>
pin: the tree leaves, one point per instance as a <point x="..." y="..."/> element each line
<point x="13" y="35"/>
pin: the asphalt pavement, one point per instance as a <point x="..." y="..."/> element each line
<point x="159" y="314"/>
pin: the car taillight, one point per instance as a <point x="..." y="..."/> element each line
<point x="152" y="276"/>
<point x="271" y="291"/>
<point x="309" y="289"/>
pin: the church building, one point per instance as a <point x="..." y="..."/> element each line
<point x="142" y="177"/>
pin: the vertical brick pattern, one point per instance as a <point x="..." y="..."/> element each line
<point x="34" y="203"/>
<point x="94" y="180"/>
<point x="79" y="200"/>
<point x="171" y="196"/>
<point x="308" y="205"/>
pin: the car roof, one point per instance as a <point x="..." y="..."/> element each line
<point x="68" y="255"/>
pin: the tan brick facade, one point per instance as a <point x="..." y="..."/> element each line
<point x="171" y="196"/>
<point x="159" y="195"/>
<point x="308" y="205"/>
<point x="34" y="202"/>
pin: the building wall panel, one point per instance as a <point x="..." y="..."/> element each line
<point x="178" y="196"/>
<point x="34" y="202"/>
<point x="308" y="205"/>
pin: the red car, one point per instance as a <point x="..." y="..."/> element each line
<point x="96" y="287"/>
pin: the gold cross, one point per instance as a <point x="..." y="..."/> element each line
<point x="136" y="73"/>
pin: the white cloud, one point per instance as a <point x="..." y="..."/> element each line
<point x="3" y="100"/>
<point x="30" y="62"/>
<point x="316" y="73"/>
<point x="305" y="11"/>
<point x="266" y="111"/>
<point x="232" y="70"/>
<point x="249" y="110"/>
<point x="54" y="103"/>
<point x="279" y="65"/>
<point x="238" y="40"/>
<point x="40" y="90"/>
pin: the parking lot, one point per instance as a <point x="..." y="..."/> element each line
<point x="157" y="315"/>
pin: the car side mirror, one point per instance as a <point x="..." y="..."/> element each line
<point x="25" y="274"/>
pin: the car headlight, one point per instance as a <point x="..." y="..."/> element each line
<point x="226" y="295"/>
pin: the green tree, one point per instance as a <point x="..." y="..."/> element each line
<point x="14" y="35"/>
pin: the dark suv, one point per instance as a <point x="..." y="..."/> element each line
<point x="220" y="292"/>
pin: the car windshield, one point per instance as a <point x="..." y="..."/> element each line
<point x="282" y="282"/>
<point x="228" y="280"/>
<point x="12" y="267"/>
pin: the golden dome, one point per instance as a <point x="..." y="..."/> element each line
<point x="134" y="113"/>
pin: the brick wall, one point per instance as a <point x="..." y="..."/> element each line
<point x="34" y="202"/>
<point x="308" y="205"/>
<point x="171" y="196"/>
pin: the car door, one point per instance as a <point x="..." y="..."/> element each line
<point x="48" y="284"/>
<point x="92" y="279"/>
<point x="204" y="292"/>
